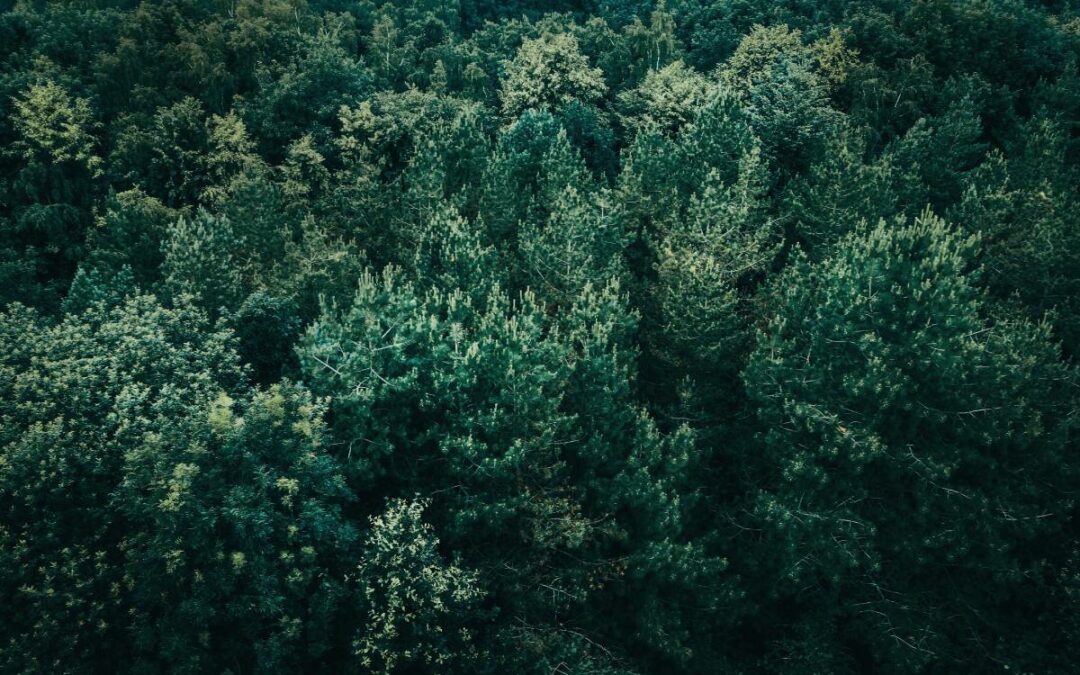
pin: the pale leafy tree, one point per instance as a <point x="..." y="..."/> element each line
<point x="666" y="99"/>
<point x="655" y="45"/>
<point x="238" y="550"/>
<point x="411" y="597"/>
<point x="56" y="128"/>
<point x="834" y="60"/>
<point x="231" y="157"/>
<point x="785" y="94"/>
<point x="759" y="51"/>
<point x="548" y="71"/>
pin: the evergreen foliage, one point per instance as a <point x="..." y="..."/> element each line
<point x="593" y="337"/>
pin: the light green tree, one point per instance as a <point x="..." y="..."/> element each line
<point x="548" y="71"/>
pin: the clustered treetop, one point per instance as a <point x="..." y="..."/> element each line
<point x="598" y="337"/>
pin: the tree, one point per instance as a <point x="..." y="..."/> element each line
<point x="655" y="46"/>
<point x="1023" y="207"/>
<point x="901" y="414"/>
<point x="74" y="393"/>
<point x="131" y="232"/>
<point x="575" y="243"/>
<point x="406" y="153"/>
<point x="940" y="151"/>
<point x="525" y="429"/>
<point x="267" y="329"/>
<point x="199" y="261"/>
<point x="166" y="158"/>
<point x="678" y="200"/>
<point x="236" y="553"/>
<point x="773" y="71"/>
<point x="415" y="604"/>
<point x="666" y="99"/>
<point x="513" y="172"/>
<point x="844" y="188"/>
<point x="548" y="71"/>
<point x="706" y="263"/>
<point x="54" y="178"/>
<point x="56" y="128"/>
<point x="302" y="96"/>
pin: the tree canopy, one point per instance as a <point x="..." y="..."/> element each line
<point x="602" y="337"/>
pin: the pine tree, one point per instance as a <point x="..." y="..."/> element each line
<point x="524" y="431"/>
<point x="571" y="241"/>
<point x="513" y="173"/>
<point x="199" y="261"/>
<point x="843" y="189"/>
<point x="707" y="262"/>
<point x="1023" y="207"/>
<point x="901" y="414"/>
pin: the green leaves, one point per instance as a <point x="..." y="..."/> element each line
<point x="412" y="598"/>
<point x="607" y="337"/>
<point x="548" y="71"/>
<point x="77" y="396"/>
<point x="666" y="99"/>
<point x="237" y="543"/>
<point x="56" y="128"/>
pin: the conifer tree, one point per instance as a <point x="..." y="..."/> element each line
<point x="570" y="241"/>
<point x="199" y="261"/>
<point x="1024" y="207"/>
<point x="901" y="414"/>
<point x="843" y="189"/>
<point x="525" y="429"/>
<point x="707" y="261"/>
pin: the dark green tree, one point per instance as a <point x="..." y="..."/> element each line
<point x="73" y="392"/>
<point x="913" y="494"/>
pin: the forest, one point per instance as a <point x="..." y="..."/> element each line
<point x="553" y="337"/>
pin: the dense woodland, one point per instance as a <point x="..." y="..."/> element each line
<point x="555" y="337"/>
